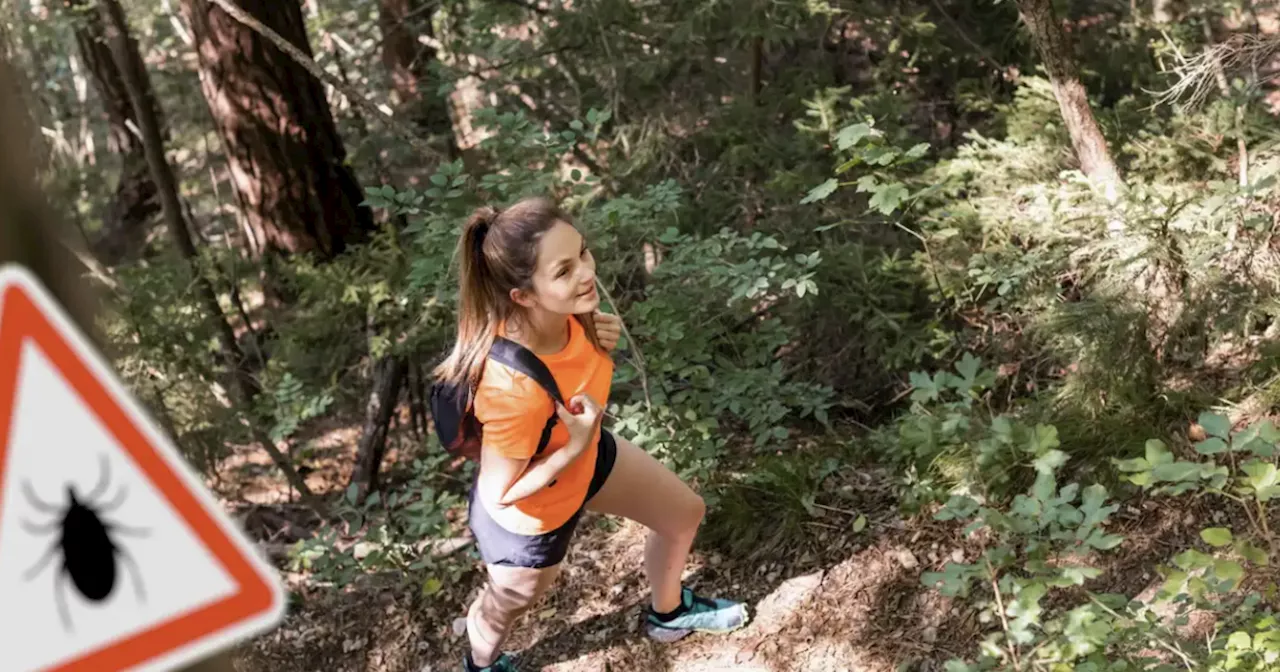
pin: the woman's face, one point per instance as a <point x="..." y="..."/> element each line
<point x="565" y="279"/>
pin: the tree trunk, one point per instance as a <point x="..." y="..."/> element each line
<point x="1086" y="137"/>
<point x="388" y="379"/>
<point x="124" y="224"/>
<point x="408" y="62"/>
<point x="287" y="162"/>
<point x="31" y="236"/>
<point x="133" y="74"/>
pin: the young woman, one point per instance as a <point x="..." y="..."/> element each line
<point x="527" y="274"/>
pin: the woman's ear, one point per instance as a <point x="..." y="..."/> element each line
<point x="522" y="298"/>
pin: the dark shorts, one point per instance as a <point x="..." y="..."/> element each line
<point x="500" y="546"/>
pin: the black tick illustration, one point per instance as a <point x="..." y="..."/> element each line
<point x="91" y="556"/>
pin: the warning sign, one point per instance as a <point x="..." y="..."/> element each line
<point x="113" y="555"/>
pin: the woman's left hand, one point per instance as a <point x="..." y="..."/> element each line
<point x="608" y="329"/>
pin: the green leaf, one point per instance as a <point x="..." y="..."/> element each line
<point x="1261" y="474"/>
<point x="1229" y="570"/>
<point x="1091" y="504"/>
<point x="881" y="156"/>
<point x="1240" y="640"/>
<point x="1043" y="438"/>
<point x="924" y="387"/>
<point x="1158" y="453"/>
<point x="1051" y="460"/>
<point x="888" y="198"/>
<point x="917" y="151"/>
<point x="851" y="135"/>
<point x="431" y="586"/>
<point x="821" y="192"/>
<point x="1191" y="560"/>
<point x="1105" y="542"/>
<point x="1173" y="583"/>
<point x="1216" y="536"/>
<point x="1252" y="553"/>
<point x="1178" y="471"/>
<point x="860" y="524"/>
<point x="1078" y="575"/>
<point x="1215" y="425"/>
<point x="575" y="175"/>
<point x="1042" y="490"/>
<point x="1211" y="446"/>
<point x="1135" y="464"/>
<point x="968" y="367"/>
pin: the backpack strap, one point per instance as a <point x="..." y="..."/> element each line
<point x="520" y="358"/>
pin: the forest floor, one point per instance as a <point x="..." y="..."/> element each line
<point x="822" y="599"/>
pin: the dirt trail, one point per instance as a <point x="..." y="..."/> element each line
<point x="857" y="606"/>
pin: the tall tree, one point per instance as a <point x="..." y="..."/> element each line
<point x="1086" y="137"/>
<point x="288" y="164"/>
<point x="124" y="222"/>
<point x="133" y="73"/>
<point x="407" y="54"/>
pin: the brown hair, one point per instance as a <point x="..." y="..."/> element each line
<point x="497" y="252"/>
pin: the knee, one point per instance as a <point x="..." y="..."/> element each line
<point x="507" y="602"/>
<point x="693" y="514"/>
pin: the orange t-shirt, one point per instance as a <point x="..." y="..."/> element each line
<point x="514" y="410"/>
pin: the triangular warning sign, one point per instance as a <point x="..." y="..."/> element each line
<point x="113" y="555"/>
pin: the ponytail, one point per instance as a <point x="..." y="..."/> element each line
<point x="479" y="309"/>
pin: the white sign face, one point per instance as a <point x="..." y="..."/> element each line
<point x="113" y="555"/>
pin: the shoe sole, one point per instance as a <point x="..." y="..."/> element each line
<point x="671" y="635"/>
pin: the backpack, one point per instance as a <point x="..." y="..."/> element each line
<point x="451" y="408"/>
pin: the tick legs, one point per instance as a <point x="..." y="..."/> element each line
<point x="38" y="530"/>
<point x="60" y="596"/>
<point x="37" y="503"/>
<point x="104" y="478"/>
<point x="35" y="569"/>
<point x="114" y="503"/>
<point x="132" y="567"/>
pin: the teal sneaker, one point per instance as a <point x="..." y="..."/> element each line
<point x="698" y="614"/>
<point x="504" y="663"/>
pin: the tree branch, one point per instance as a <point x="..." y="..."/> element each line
<point x="323" y="75"/>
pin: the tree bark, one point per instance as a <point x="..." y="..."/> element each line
<point x="1073" y="100"/>
<point x="388" y="379"/>
<point x="408" y="62"/>
<point x="288" y="164"/>
<point x="136" y="201"/>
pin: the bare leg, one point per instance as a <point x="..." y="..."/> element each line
<point x="642" y="489"/>
<point x="508" y="595"/>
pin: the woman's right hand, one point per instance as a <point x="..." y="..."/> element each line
<point x="581" y="419"/>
